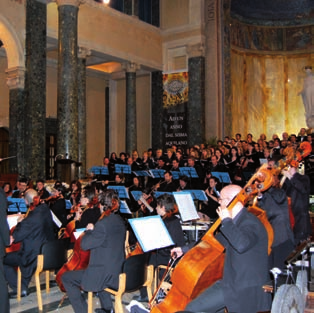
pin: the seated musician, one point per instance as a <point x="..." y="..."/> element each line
<point x="57" y="204"/>
<point x="43" y="193"/>
<point x="31" y="231"/>
<point x="106" y="241"/>
<point x="167" y="185"/>
<point x="22" y="186"/>
<point x="245" y="266"/>
<point x="166" y="209"/>
<point x="87" y="211"/>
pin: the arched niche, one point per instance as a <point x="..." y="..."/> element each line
<point x="12" y="44"/>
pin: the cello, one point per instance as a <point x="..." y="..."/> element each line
<point x="80" y="258"/>
<point x="203" y="265"/>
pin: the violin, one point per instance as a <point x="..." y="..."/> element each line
<point x="80" y="258"/>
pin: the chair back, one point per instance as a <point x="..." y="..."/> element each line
<point x="55" y="254"/>
<point x="135" y="269"/>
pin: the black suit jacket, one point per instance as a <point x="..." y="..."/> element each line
<point x="106" y="244"/>
<point x="4" y="228"/>
<point x="246" y="263"/>
<point x="36" y="229"/>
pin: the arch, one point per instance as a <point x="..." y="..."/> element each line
<point x="12" y="44"/>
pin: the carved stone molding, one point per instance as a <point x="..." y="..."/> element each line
<point x="75" y="3"/>
<point x="83" y="52"/>
<point x="197" y="50"/>
<point x="131" y="67"/>
<point x="15" y="77"/>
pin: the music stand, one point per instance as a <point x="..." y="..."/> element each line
<point x="99" y="170"/>
<point x="188" y="171"/>
<point x="141" y="173"/>
<point x="186" y="206"/>
<point x="151" y="232"/>
<point x="157" y="194"/>
<point x="223" y="177"/>
<point x="121" y="191"/>
<point x="157" y="173"/>
<point x="122" y="168"/>
<point x="137" y="194"/>
<point x="68" y="204"/>
<point x="175" y="174"/>
<point x="197" y="194"/>
<point x="16" y="205"/>
<point x="124" y="208"/>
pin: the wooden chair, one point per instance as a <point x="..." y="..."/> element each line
<point x="135" y="274"/>
<point x="52" y="256"/>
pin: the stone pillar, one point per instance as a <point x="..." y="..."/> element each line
<point x="214" y="68"/>
<point x="15" y="82"/>
<point x="35" y="90"/>
<point x="81" y="105"/>
<point x="196" y="104"/>
<point x="157" y="109"/>
<point x="131" y="124"/>
<point x="67" y="143"/>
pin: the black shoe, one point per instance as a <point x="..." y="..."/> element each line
<point x="53" y="283"/>
<point x="13" y="294"/>
<point x="104" y="311"/>
<point x="140" y="298"/>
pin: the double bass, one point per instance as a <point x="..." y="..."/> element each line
<point x="203" y="265"/>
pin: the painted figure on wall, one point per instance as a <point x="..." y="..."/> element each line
<point x="307" y="94"/>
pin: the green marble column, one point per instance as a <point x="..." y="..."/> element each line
<point x="35" y="90"/>
<point x="67" y="142"/>
<point x="196" y="104"/>
<point x="15" y="82"/>
<point x="81" y="104"/>
<point x="131" y="125"/>
<point x="157" y="109"/>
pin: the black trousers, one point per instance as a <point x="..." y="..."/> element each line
<point x="13" y="260"/>
<point x="72" y="283"/>
<point x="4" y="297"/>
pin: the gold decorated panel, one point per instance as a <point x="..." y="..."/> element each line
<point x="275" y="96"/>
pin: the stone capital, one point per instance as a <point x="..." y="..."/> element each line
<point x="75" y="3"/>
<point x="15" y="77"/>
<point x="131" y="67"/>
<point x="83" y="52"/>
<point x="196" y="50"/>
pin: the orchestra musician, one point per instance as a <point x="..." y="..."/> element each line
<point x="75" y="192"/>
<point x="166" y="209"/>
<point x="22" y="187"/>
<point x="246" y="262"/>
<point x="7" y="188"/>
<point x="4" y="241"/>
<point x="57" y="204"/>
<point x="31" y="231"/>
<point x="168" y="184"/>
<point x="42" y="191"/>
<point x="106" y="242"/>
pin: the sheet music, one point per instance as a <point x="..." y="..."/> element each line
<point x="124" y="207"/>
<point x="186" y="206"/>
<point x="55" y="219"/>
<point x="78" y="232"/>
<point x="151" y="232"/>
<point x="12" y="220"/>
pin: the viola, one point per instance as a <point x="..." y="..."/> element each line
<point x="80" y="258"/>
<point x="202" y="266"/>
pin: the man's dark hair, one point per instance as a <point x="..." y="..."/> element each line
<point x="167" y="201"/>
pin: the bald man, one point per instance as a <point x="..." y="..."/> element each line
<point x="246" y="262"/>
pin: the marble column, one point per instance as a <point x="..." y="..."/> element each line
<point x="214" y="106"/>
<point x="196" y="104"/>
<point x="131" y="124"/>
<point x="83" y="53"/>
<point x="67" y="142"/>
<point x="35" y="89"/>
<point x="15" y="82"/>
<point x="157" y="109"/>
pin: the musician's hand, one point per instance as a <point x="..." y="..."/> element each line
<point x="78" y="214"/>
<point x="223" y="213"/>
<point x="1" y="160"/>
<point x="11" y="240"/>
<point x="176" y="252"/>
<point x="286" y="173"/>
<point x="90" y="226"/>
